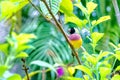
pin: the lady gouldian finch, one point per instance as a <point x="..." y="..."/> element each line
<point x="75" y="38"/>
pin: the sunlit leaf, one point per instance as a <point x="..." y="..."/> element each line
<point x="84" y="69"/>
<point x="96" y="36"/>
<point x="23" y="47"/>
<point x="90" y="7"/>
<point x="100" y="20"/>
<point x="94" y="22"/>
<point x="70" y="78"/>
<point x="66" y="7"/>
<point x="2" y="70"/>
<point x="74" y="19"/>
<point x="82" y="8"/>
<point x="101" y="55"/>
<point x="8" y="8"/>
<point x="118" y="68"/>
<point x="116" y="77"/>
<point x="15" y="77"/>
<point x="117" y="55"/>
<point x="106" y="63"/>
<point x="104" y="71"/>
<point x="71" y="70"/>
<point x="23" y="36"/>
<point x="86" y="77"/>
<point x="90" y="58"/>
<point x="4" y="48"/>
<point x="22" y="55"/>
<point x="43" y="64"/>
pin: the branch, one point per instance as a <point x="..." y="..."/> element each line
<point x="25" y="68"/>
<point x="37" y="9"/>
<point x="61" y="29"/>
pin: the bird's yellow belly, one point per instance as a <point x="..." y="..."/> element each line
<point x="76" y="43"/>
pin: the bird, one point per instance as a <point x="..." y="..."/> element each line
<point x="74" y="38"/>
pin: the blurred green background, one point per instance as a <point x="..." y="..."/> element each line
<point x="50" y="41"/>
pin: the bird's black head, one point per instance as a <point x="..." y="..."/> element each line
<point x="72" y="30"/>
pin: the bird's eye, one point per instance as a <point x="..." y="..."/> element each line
<point x="72" y="30"/>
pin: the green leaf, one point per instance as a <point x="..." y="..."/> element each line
<point x="8" y="8"/>
<point x="86" y="77"/>
<point x="22" y="55"/>
<point x="100" y="20"/>
<point x="118" y="68"/>
<point x="71" y="78"/>
<point x="117" y="55"/>
<point x="53" y="5"/>
<point x="4" y="48"/>
<point x="90" y="7"/>
<point x="84" y="69"/>
<point x="23" y="47"/>
<point x="74" y="19"/>
<point x="92" y="59"/>
<point x="116" y="77"/>
<point x="82" y="8"/>
<point x="66" y="7"/>
<point x="23" y="38"/>
<point x="2" y="70"/>
<point x="15" y="77"/>
<point x="104" y="71"/>
<point x="44" y="64"/>
<point x="101" y="55"/>
<point x="96" y="36"/>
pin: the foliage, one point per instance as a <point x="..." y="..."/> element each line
<point x="12" y="50"/>
<point x="50" y="49"/>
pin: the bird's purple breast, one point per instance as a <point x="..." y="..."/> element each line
<point x="74" y="37"/>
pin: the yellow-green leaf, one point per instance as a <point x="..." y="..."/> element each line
<point x="94" y="22"/>
<point x="86" y="77"/>
<point x="70" y="78"/>
<point x="71" y="70"/>
<point x="66" y="6"/>
<point x="74" y="19"/>
<point x="116" y="77"/>
<point x="2" y="70"/>
<point x="100" y="20"/>
<point x="117" y="55"/>
<point x="84" y="69"/>
<point x="4" y="48"/>
<point x="118" y="68"/>
<point x="104" y="71"/>
<point x="82" y="8"/>
<point x="8" y="8"/>
<point x="22" y="55"/>
<point x="101" y="55"/>
<point x="14" y="77"/>
<point x="96" y="36"/>
<point x="23" y="47"/>
<point x="91" y="6"/>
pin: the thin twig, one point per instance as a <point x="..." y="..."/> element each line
<point x="25" y="68"/>
<point x="61" y="29"/>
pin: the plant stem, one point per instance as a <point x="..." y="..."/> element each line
<point x="37" y="9"/>
<point x="62" y="31"/>
<point x="25" y="68"/>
